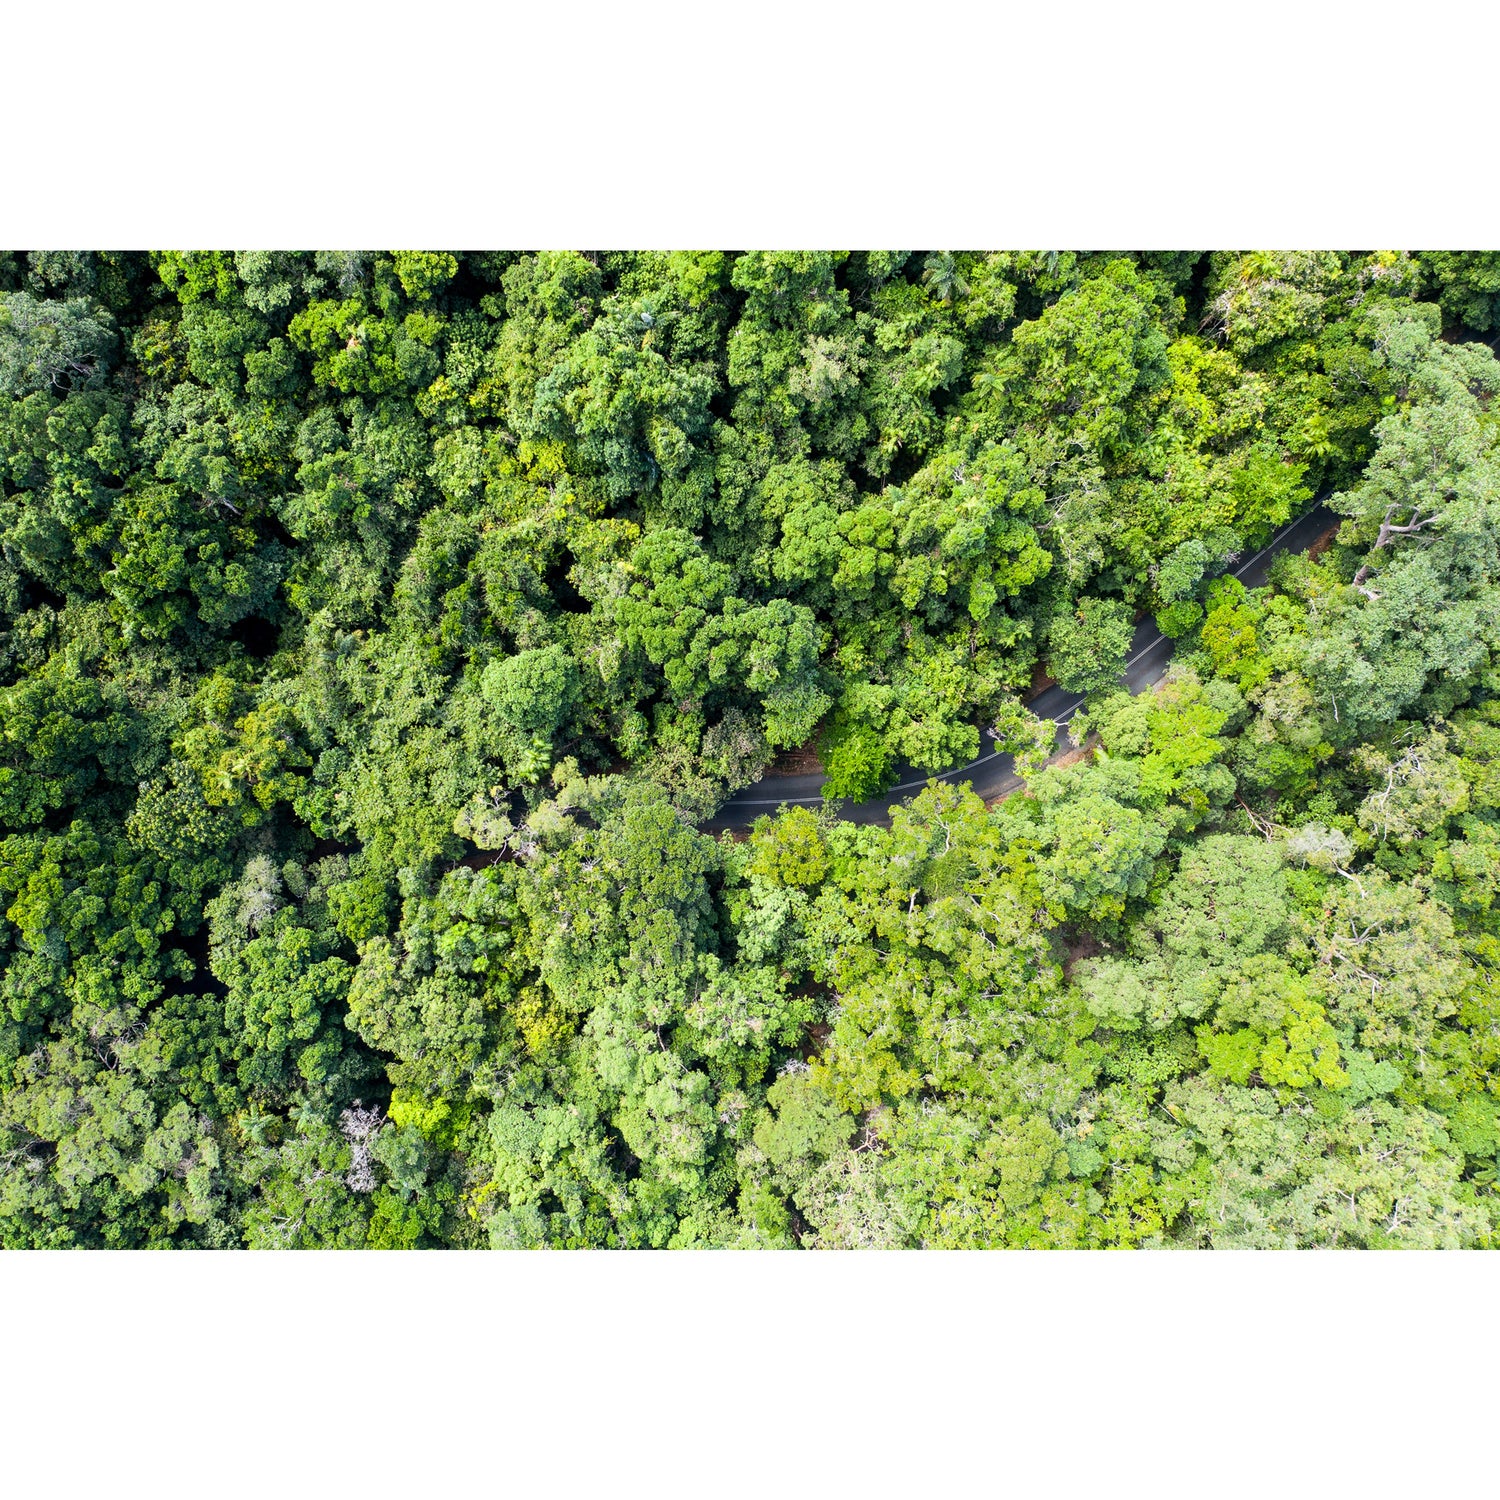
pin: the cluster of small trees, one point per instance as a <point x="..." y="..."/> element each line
<point x="379" y="628"/>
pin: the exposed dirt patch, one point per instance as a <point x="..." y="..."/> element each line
<point x="1323" y="542"/>
<point x="802" y="761"/>
<point x="1073" y="757"/>
<point x="1040" y="682"/>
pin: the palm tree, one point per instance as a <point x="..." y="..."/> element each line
<point x="942" y="275"/>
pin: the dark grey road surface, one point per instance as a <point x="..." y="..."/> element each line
<point x="993" y="774"/>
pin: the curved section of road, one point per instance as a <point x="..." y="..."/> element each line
<point x="993" y="774"/>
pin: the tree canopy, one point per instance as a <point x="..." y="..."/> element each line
<point x="379" y="630"/>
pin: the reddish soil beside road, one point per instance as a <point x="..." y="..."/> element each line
<point x="1323" y="542"/>
<point x="802" y="761"/>
<point x="1040" y="682"/>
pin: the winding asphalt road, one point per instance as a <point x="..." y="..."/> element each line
<point x="993" y="774"/>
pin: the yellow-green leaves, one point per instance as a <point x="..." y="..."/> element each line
<point x="424" y="273"/>
<point x="789" y="849"/>
<point x="247" y="760"/>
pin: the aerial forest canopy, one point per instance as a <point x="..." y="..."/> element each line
<point x="380" y="631"/>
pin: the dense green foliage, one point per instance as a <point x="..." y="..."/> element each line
<point x="378" y="630"/>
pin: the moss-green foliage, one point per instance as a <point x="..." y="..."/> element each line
<point x="378" y="629"/>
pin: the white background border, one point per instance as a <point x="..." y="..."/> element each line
<point x="665" y="123"/>
<point x="596" y="125"/>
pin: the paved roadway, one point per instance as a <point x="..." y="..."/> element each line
<point x="993" y="774"/>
